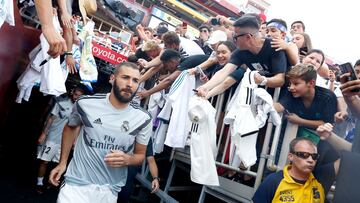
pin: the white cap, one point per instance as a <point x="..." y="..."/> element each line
<point x="217" y="36"/>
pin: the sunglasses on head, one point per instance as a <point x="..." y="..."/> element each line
<point x="305" y="155"/>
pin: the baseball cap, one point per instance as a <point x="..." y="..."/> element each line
<point x="263" y="17"/>
<point x="161" y="30"/>
<point x="217" y="36"/>
<point x="204" y="26"/>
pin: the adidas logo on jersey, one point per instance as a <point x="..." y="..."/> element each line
<point x="98" y="121"/>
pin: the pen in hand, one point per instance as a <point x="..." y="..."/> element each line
<point x="45" y="61"/>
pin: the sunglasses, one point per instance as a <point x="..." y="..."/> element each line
<point x="306" y="155"/>
<point x="240" y="35"/>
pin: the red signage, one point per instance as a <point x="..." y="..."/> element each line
<point x="107" y="54"/>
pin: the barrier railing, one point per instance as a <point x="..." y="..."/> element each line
<point x="229" y="190"/>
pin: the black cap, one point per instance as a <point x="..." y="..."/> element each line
<point x="247" y="21"/>
<point x="204" y="26"/>
<point x="161" y="30"/>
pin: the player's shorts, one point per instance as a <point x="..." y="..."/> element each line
<point x="49" y="151"/>
<point x="86" y="194"/>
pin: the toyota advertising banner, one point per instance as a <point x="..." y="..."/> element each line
<point x="107" y="54"/>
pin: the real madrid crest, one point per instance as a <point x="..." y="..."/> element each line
<point x="125" y="126"/>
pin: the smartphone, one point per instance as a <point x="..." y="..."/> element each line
<point x="348" y="68"/>
<point x="286" y="112"/>
<point x="215" y="21"/>
<point x="200" y="71"/>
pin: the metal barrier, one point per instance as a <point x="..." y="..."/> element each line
<point x="231" y="191"/>
<point x="142" y="178"/>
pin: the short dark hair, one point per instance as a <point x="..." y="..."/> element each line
<point x="80" y="88"/>
<point x="228" y="44"/>
<point x="300" y="22"/>
<point x="171" y="37"/>
<point x="125" y="64"/>
<point x="132" y="58"/>
<point x="306" y="72"/>
<point x="247" y="21"/>
<point x="319" y="52"/>
<point x="294" y="142"/>
<point x="257" y="17"/>
<point x="277" y="20"/>
<point x="169" y="54"/>
<point x="357" y="63"/>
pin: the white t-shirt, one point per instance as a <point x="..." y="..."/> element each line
<point x="322" y="82"/>
<point x="190" y="47"/>
<point x="7" y="12"/>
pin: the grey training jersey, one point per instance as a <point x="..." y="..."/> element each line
<point x="61" y="111"/>
<point x="104" y="128"/>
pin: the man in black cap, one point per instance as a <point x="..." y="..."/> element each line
<point x="159" y="33"/>
<point x="204" y="35"/>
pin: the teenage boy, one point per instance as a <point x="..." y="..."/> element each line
<point x="304" y="103"/>
<point x="276" y="29"/>
<point x="297" y="27"/>
<point x="309" y="106"/>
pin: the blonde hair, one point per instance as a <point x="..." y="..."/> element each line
<point x="305" y="72"/>
<point x="150" y="45"/>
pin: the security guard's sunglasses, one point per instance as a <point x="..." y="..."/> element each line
<point x="305" y="155"/>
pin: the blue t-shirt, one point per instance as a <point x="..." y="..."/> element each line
<point x="323" y="106"/>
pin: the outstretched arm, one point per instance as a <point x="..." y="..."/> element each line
<point x="55" y="40"/>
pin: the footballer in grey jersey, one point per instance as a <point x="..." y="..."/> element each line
<point x="113" y="133"/>
<point x="104" y="128"/>
<point x="50" y="138"/>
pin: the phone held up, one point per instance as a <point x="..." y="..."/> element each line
<point x="215" y="21"/>
<point x="348" y="68"/>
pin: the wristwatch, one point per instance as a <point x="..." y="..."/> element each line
<point x="156" y="178"/>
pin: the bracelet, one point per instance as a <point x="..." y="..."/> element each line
<point x="157" y="178"/>
<point x="68" y="53"/>
<point x="197" y="69"/>
<point x="263" y="83"/>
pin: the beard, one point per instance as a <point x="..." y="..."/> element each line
<point x="117" y="93"/>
